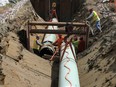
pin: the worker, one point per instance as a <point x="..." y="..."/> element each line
<point x="68" y="29"/>
<point x="36" y="44"/>
<point x="81" y="45"/>
<point x="53" y="11"/>
<point x="58" y="42"/>
<point x="75" y="43"/>
<point x="94" y="19"/>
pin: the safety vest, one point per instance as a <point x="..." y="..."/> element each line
<point x="35" y="46"/>
<point x="95" y="16"/>
<point x="75" y="43"/>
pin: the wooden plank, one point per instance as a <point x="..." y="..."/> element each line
<point x="56" y="31"/>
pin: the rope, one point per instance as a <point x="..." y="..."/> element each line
<point x="72" y="51"/>
<point x="56" y="15"/>
<point x="64" y="51"/>
<point x="88" y="24"/>
<point x="53" y="14"/>
<point x="51" y="59"/>
<point x="65" y="65"/>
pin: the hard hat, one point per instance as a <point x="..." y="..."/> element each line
<point x="90" y="10"/>
<point x="37" y="37"/>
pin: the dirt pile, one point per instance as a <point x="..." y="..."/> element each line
<point x="12" y="19"/>
<point x="19" y="67"/>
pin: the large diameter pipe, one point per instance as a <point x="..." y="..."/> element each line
<point x="68" y="73"/>
<point x="51" y="37"/>
<point x="47" y="47"/>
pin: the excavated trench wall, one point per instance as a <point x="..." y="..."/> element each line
<point x="13" y="20"/>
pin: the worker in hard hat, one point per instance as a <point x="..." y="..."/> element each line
<point x="53" y="12"/>
<point x="36" y="45"/>
<point x="68" y="29"/>
<point x="58" y="42"/>
<point x="94" y="19"/>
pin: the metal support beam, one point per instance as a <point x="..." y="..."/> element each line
<point x="58" y="23"/>
<point x="56" y="31"/>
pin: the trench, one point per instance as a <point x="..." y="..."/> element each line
<point x="63" y="16"/>
<point x="55" y="67"/>
<point x="23" y="37"/>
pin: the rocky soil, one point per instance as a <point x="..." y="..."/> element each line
<point x="97" y="64"/>
<point x="19" y="67"/>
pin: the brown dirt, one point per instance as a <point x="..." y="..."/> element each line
<point x="2" y="10"/>
<point x="21" y="68"/>
<point x="96" y="67"/>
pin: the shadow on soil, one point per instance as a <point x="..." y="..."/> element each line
<point x="23" y="38"/>
<point x="55" y="74"/>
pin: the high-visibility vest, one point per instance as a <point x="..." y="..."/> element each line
<point x="75" y="43"/>
<point x="35" y="46"/>
<point x="95" y="16"/>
